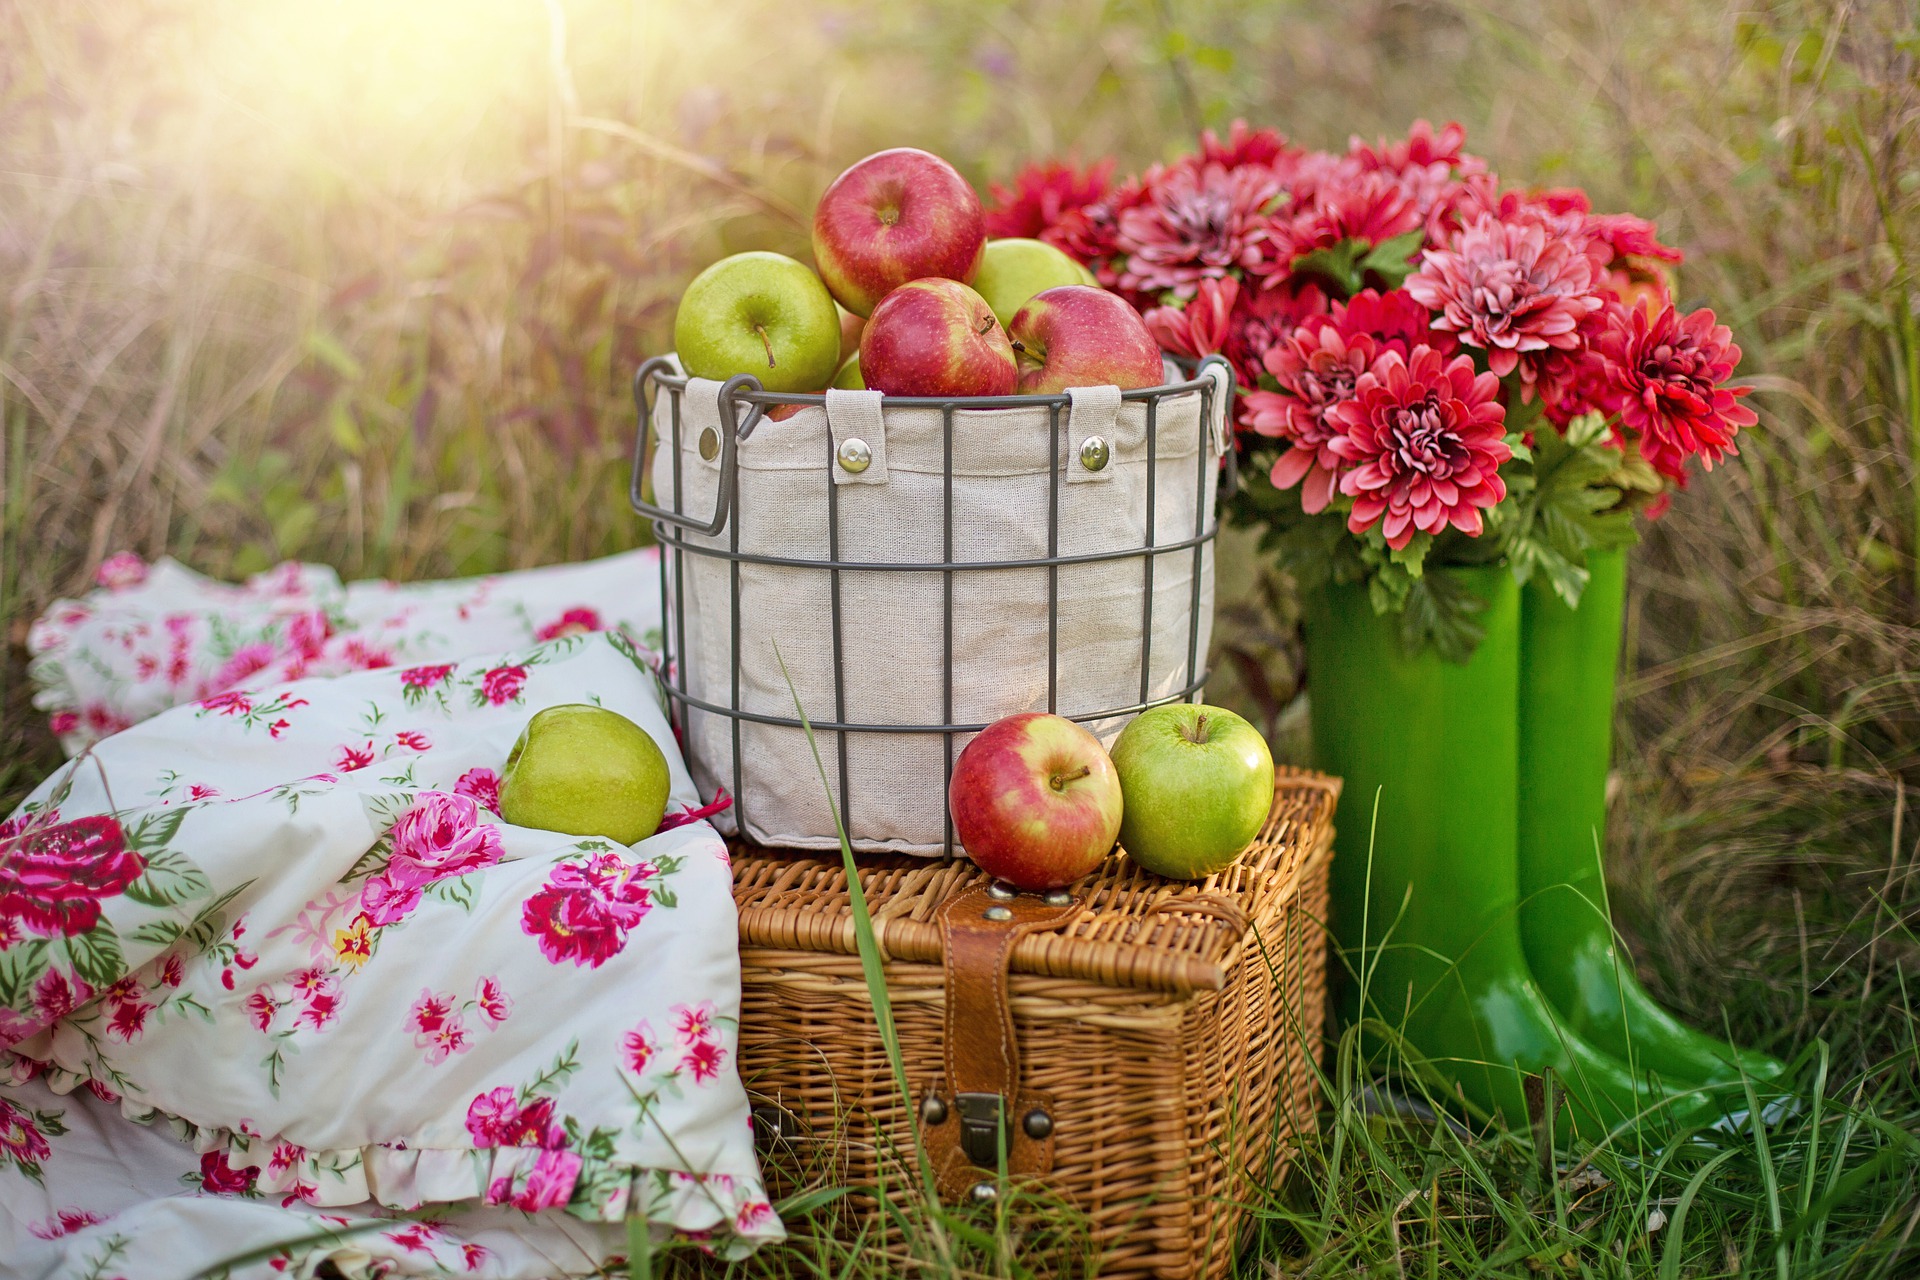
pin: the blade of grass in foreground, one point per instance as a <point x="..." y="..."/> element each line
<point x="868" y="947"/>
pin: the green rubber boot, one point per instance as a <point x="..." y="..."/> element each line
<point x="1568" y="659"/>
<point x="1430" y="920"/>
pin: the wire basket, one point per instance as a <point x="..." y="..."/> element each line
<point x="911" y="570"/>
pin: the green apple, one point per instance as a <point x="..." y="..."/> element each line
<point x="1197" y="782"/>
<point x="1013" y="270"/>
<point x="763" y="314"/>
<point x="849" y="378"/>
<point x="585" y="771"/>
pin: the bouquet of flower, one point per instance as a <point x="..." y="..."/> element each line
<point x="1436" y="370"/>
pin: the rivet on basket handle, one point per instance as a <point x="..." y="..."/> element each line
<point x="979" y="1105"/>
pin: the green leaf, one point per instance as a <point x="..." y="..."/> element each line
<point x="458" y="890"/>
<point x="1569" y="509"/>
<point x="1338" y="265"/>
<point x="1442" y="613"/>
<point x="169" y="879"/>
<point x="21" y="967"/>
<point x="158" y="933"/>
<point x="1391" y="259"/>
<point x="212" y="922"/>
<point x="96" y="955"/>
<point x="156" y="830"/>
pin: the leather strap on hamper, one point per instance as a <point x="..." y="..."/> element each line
<point x="965" y="1117"/>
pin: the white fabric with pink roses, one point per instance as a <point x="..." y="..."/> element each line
<point x="277" y="985"/>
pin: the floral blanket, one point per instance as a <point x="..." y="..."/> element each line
<point x="278" y="986"/>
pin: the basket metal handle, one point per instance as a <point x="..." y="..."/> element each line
<point x="734" y="431"/>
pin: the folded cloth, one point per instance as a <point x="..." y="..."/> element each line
<point x="287" y="921"/>
<point x="155" y="636"/>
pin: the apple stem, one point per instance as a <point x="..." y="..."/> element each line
<point x="1018" y="346"/>
<point x="766" y="342"/>
<point x="1059" y="781"/>
<point x="1199" y="731"/>
<point x="986" y="325"/>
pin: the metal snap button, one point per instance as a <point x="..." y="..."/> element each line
<point x="984" y="1193"/>
<point x="1003" y="891"/>
<point x="854" y="455"/>
<point x="1038" y="1124"/>
<point x="709" y="444"/>
<point x="934" y="1110"/>
<point x="1094" y="453"/>
<point x="997" y="914"/>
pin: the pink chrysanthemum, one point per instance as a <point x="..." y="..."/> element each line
<point x="1091" y="234"/>
<point x="1319" y="367"/>
<point x="1664" y="380"/>
<point x="1423" y="440"/>
<point x="1508" y="288"/>
<point x="1041" y="195"/>
<point x="1194" y="226"/>
<point x="1264" y="318"/>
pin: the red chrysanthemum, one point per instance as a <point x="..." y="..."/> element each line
<point x="1041" y="195"/>
<point x="1508" y="288"/>
<point x="1423" y="440"/>
<point x="1091" y="233"/>
<point x="1664" y="380"/>
<point x="1421" y="147"/>
<point x="1244" y="146"/>
<point x="1202" y="326"/>
<point x="1626" y="236"/>
<point x="1196" y="225"/>
<point x="1264" y="318"/>
<point x="1372" y="207"/>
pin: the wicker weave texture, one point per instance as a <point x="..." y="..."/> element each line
<point x="1171" y="1025"/>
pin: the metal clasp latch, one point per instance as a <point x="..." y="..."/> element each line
<point x="983" y="1121"/>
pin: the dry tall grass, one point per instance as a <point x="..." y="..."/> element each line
<point x="363" y="284"/>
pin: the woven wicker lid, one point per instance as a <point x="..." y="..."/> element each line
<point x="1140" y="930"/>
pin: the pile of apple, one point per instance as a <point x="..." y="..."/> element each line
<point x="911" y="299"/>
<point x="1038" y="802"/>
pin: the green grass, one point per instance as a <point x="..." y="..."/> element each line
<point x="363" y="284"/>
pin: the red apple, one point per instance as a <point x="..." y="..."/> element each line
<point x="1075" y="335"/>
<point x="1035" y="801"/>
<point x="936" y="337"/>
<point x="896" y="216"/>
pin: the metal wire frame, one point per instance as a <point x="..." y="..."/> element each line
<point x="672" y="529"/>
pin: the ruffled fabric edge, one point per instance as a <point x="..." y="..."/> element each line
<point x="725" y="1214"/>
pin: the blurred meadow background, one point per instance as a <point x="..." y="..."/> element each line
<point x="364" y="282"/>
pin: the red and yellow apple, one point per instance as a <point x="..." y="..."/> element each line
<point x="1035" y="801"/>
<point x="936" y="337"/>
<point x="1075" y="335"/>
<point x="896" y="216"/>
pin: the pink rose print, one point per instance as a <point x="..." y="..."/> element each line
<point x="129" y="1017"/>
<point x="413" y="740"/>
<point x="695" y="1021"/>
<point x="120" y="571"/>
<point x="361" y="656"/>
<point x="232" y="702"/>
<point x="63" y="723"/>
<point x="481" y="786"/>
<point x="577" y="621"/>
<point x="351" y="758"/>
<point x="493" y="1001"/>
<point x="221" y="1178"/>
<point x="496" y="1119"/>
<point x="688" y="814"/>
<point x="54" y="875"/>
<point x="101" y="1092"/>
<point x="54" y="997"/>
<point x="502" y="685"/>
<point x="66" y="1221"/>
<point x="640" y="1046"/>
<point x="246" y="660"/>
<point x="20" y="1141"/>
<point x="444" y="1041"/>
<point x="171" y="971"/>
<point x="472" y="1255"/>
<point x="386" y="902"/>
<point x="703" y="1060"/>
<point x="549" y="1184"/>
<point x="103" y="721"/>
<point x="430" y="1012"/>
<point x="260" y="1010"/>
<point x="320" y="990"/>
<point x="441" y="835"/>
<point x="307" y="633"/>
<point x="285" y="1156"/>
<point x="753" y="1215"/>
<point x="584" y="912"/>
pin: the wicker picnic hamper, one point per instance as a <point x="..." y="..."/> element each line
<point x="1168" y="1030"/>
